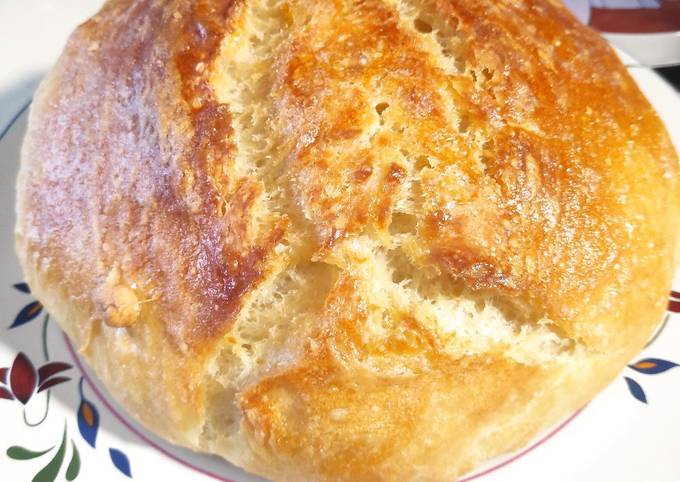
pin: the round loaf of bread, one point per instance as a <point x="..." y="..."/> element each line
<point x="348" y="240"/>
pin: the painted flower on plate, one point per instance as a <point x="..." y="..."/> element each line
<point x="21" y="381"/>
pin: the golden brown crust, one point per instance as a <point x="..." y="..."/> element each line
<point x="337" y="419"/>
<point x="148" y="179"/>
<point x="349" y="240"/>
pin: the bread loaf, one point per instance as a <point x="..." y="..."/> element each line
<point x="347" y="240"/>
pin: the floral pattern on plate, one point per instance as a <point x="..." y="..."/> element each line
<point x="21" y="381"/>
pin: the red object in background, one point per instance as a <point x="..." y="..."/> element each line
<point x="666" y="18"/>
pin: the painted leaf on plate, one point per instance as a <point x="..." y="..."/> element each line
<point x="73" y="468"/>
<point x="23" y="287"/>
<point x="50" y="471"/>
<point x="49" y="369"/>
<point x="674" y="306"/>
<point x="121" y="461"/>
<point x="88" y="419"/>
<point x="27" y="313"/>
<point x="652" y="366"/>
<point x="6" y="394"/>
<point x="20" y="453"/>
<point x="52" y="382"/>
<point x="636" y="390"/>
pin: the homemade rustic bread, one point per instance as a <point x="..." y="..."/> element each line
<point x="348" y="240"/>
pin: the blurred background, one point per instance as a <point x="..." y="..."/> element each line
<point x="648" y="30"/>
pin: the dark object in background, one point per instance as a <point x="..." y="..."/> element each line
<point x="672" y="75"/>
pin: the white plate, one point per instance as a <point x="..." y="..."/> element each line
<point x="615" y="438"/>
<point x="651" y="49"/>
